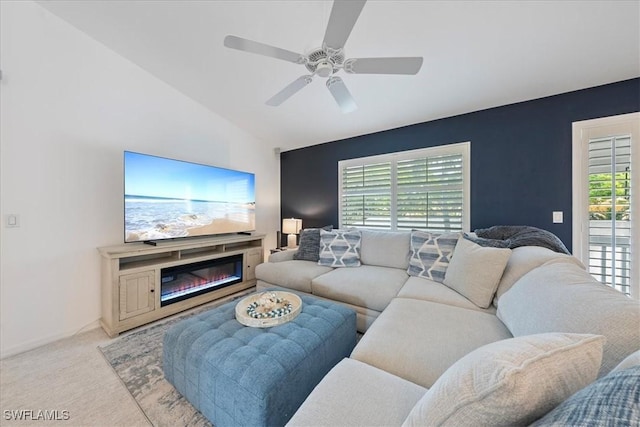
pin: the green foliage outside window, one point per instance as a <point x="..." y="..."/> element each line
<point x="601" y="196"/>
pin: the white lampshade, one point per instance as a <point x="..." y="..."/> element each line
<point x="291" y="226"/>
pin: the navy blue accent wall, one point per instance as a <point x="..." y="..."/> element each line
<point x="520" y="158"/>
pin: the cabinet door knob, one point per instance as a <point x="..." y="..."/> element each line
<point x="152" y="290"/>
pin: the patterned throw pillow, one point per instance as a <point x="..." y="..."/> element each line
<point x="339" y="248"/>
<point x="430" y="254"/>
<point x="610" y="401"/>
<point x="309" y="247"/>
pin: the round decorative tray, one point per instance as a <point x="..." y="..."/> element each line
<point x="267" y="309"/>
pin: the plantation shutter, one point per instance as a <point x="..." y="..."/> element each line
<point x="366" y="195"/>
<point x="423" y="189"/>
<point x="610" y="211"/>
<point x="430" y="193"/>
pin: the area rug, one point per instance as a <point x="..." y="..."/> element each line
<point x="137" y="359"/>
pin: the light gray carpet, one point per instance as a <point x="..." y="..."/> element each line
<point x="67" y="375"/>
<point x="137" y="359"/>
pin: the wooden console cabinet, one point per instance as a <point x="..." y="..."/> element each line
<point x="131" y="276"/>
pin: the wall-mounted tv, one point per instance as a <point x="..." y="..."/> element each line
<point x="168" y="199"/>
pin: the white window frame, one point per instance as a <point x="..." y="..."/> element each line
<point x="463" y="148"/>
<point x="583" y="131"/>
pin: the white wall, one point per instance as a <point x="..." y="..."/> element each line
<point x="68" y="108"/>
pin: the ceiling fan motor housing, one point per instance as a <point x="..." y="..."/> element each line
<point x="324" y="63"/>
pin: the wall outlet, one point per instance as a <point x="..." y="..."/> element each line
<point x="12" y="221"/>
<point x="558" y="217"/>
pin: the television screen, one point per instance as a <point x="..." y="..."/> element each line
<point x="167" y="199"/>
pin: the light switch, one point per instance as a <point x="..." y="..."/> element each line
<point x="557" y="217"/>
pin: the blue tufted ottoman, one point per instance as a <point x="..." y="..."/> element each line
<point x="241" y="376"/>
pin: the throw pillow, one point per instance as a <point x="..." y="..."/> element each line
<point x="430" y="254"/>
<point x="510" y="382"/>
<point x="610" y="401"/>
<point x="339" y="248"/>
<point x="475" y="271"/>
<point x="309" y="247"/>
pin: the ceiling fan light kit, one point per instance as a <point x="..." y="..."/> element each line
<point x="330" y="59"/>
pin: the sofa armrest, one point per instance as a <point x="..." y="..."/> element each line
<point x="286" y="255"/>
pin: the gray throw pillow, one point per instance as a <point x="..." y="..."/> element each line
<point x="309" y="247"/>
<point x="612" y="400"/>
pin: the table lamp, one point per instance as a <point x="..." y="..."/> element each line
<point x="291" y="227"/>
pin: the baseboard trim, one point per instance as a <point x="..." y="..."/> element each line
<point x="32" y="345"/>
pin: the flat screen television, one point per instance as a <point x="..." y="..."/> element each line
<point x="168" y="199"/>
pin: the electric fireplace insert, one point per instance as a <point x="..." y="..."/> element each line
<point x="187" y="281"/>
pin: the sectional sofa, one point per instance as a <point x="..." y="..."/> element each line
<point x="457" y="333"/>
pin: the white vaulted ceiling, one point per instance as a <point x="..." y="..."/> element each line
<point x="477" y="55"/>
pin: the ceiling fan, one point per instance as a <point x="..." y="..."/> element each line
<point x="330" y="58"/>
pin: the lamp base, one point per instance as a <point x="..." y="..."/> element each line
<point x="291" y="241"/>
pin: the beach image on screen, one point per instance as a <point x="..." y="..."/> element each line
<point x="167" y="198"/>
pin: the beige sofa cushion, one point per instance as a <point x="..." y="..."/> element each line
<point x="562" y="297"/>
<point x="523" y="260"/>
<point x="385" y="248"/>
<point x="291" y="274"/>
<point x="510" y="382"/>
<point x="428" y="290"/>
<point x="474" y="271"/>
<point x="356" y="394"/>
<point x="365" y="286"/>
<point x="419" y="340"/>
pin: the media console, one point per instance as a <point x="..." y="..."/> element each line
<point x="142" y="283"/>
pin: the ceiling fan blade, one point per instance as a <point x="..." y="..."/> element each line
<point x="341" y="94"/>
<point x="290" y="90"/>
<point x="344" y="15"/>
<point x="405" y="65"/>
<point x="239" y="43"/>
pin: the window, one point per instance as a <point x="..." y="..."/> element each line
<point x="425" y="189"/>
<point x="605" y="184"/>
